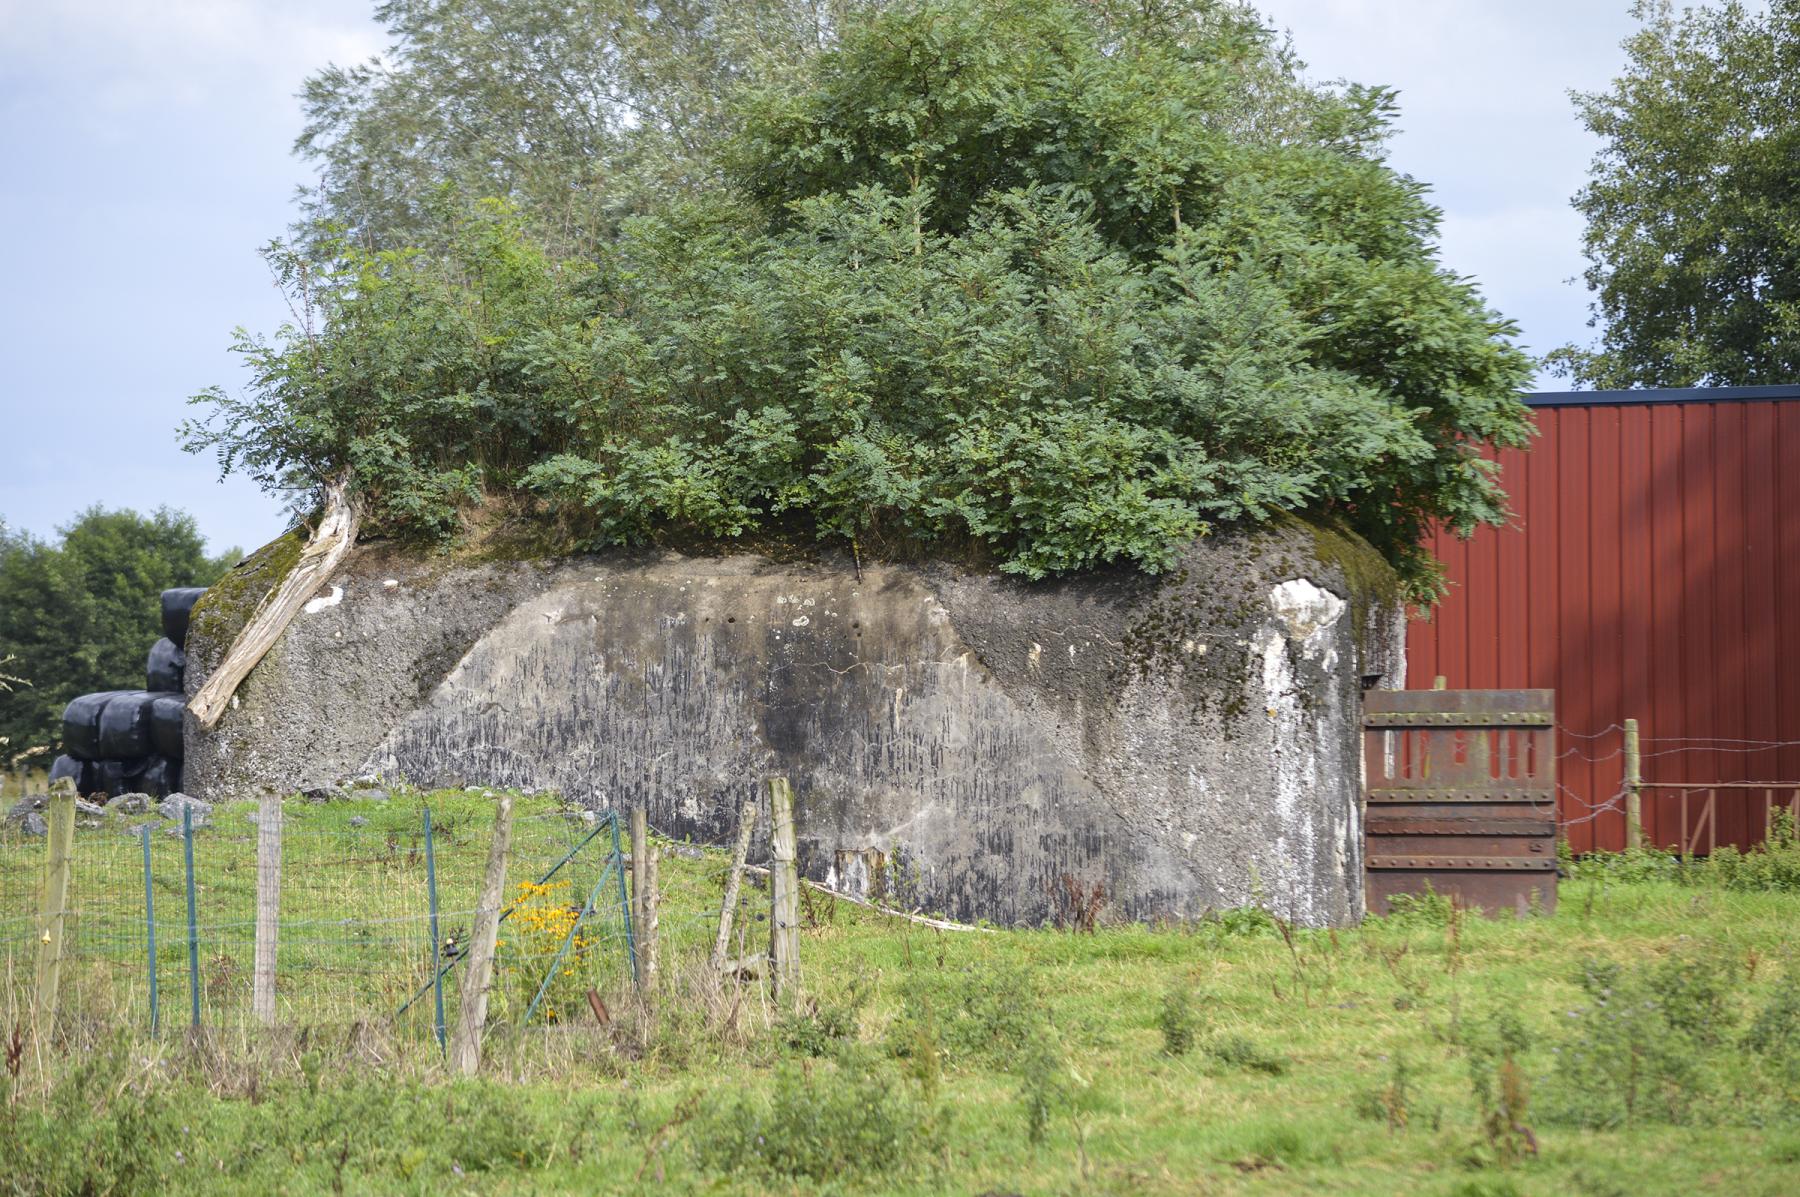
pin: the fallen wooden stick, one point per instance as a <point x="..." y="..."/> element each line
<point x="326" y="548"/>
<point x="922" y="920"/>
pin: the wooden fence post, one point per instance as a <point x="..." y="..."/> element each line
<point x="1634" y="784"/>
<point x="784" y="891"/>
<point x="268" y="906"/>
<point x="53" y="921"/>
<point x="479" y="965"/>
<point x="733" y="882"/>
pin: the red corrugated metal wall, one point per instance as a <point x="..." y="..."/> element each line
<point x="1652" y="571"/>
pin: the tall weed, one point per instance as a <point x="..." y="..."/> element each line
<point x="822" y="1121"/>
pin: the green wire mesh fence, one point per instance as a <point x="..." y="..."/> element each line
<point x="360" y="897"/>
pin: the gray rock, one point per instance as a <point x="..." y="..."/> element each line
<point x="358" y="821"/>
<point x="34" y="824"/>
<point x="969" y="743"/>
<point x="24" y="806"/>
<point x="129" y="804"/>
<point x="173" y="806"/>
<point x="88" y="809"/>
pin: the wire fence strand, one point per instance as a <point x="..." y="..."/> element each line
<point x="354" y="931"/>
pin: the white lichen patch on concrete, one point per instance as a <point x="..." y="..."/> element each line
<point x="1306" y="615"/>
<point x="1308" y="610"/>
<point x="316" y="605"/>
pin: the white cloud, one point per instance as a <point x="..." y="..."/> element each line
<point x="1486" y="121"/>
<point x="128" y="55"/>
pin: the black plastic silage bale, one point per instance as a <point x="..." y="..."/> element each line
<point x="164" y="666"/>
<point x="81" y="724"/>
<point x="64" y="766"/>
<point x="165" y="724"/>
<point x="177" y="606"/>
<point x="79" y="772"/>
<point x="160" y="778"/>
<point x="113" y="778"/>
<point x="125" y="726"/>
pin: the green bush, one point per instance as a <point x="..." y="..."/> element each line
<point x="1772" y="1045"/>
<point x="1178" y="1020"/>
<point x="1398" y="1102"/>
<point x="986" y="1014"/>
<point x="1240" y="1051"/>
<point x="1426" y="909"/>
<point x="1647" y="1046"/>
<point x="100" y="1130"/>
<point x="822" y="1025"/>
<point x="1769" y="867"/>
<point x="820" y="1122"/>
<point x="1631" y="866"/>
<point x="1023" y="281"/>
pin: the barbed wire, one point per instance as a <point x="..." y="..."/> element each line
<point x="1594" y="810"/>
<point x="1575" y="735"/>
<point x="1592" y="760"/>
<point x="1767" y="746"/>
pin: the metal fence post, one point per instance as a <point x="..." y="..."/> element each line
<point x="640" y="863"/>
<point x="193" y="927"/>
<point x="618" y="860"/>
<point x="150" y="926"/>
<point x="437" y="971"/>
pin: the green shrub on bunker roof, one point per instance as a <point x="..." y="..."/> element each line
<point x="1065" y="285"/>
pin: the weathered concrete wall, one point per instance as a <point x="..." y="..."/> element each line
<point x="1190" y="741"/>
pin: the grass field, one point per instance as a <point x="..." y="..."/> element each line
<point x="1643" y="1039"/>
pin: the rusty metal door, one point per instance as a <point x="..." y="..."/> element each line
<point x="1461" y="795"/>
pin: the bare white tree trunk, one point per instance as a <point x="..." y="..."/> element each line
<point x="330" y="541"/>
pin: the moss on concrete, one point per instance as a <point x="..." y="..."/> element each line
<point x="1370" y="581"/>
<point x="229" y="603"/>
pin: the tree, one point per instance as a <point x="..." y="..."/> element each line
<point x="1054" y="283"/>
<point x="1693" y="221"/>
<point x="81" y="615"/>
<point x="579" y="114"/>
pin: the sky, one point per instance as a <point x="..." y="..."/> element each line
<point x="145" y="157"/>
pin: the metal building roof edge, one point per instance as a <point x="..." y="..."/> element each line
<point x="1762" y="394"/>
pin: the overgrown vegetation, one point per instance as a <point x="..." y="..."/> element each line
<point x="1045" y="283"/>
<point x="1642" y="1039"/>
<point x="1772" y="866"/>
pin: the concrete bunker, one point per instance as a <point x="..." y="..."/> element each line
<point x="958" y="741"/>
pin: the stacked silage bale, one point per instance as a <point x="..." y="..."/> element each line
<point x="129" y="741"/>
